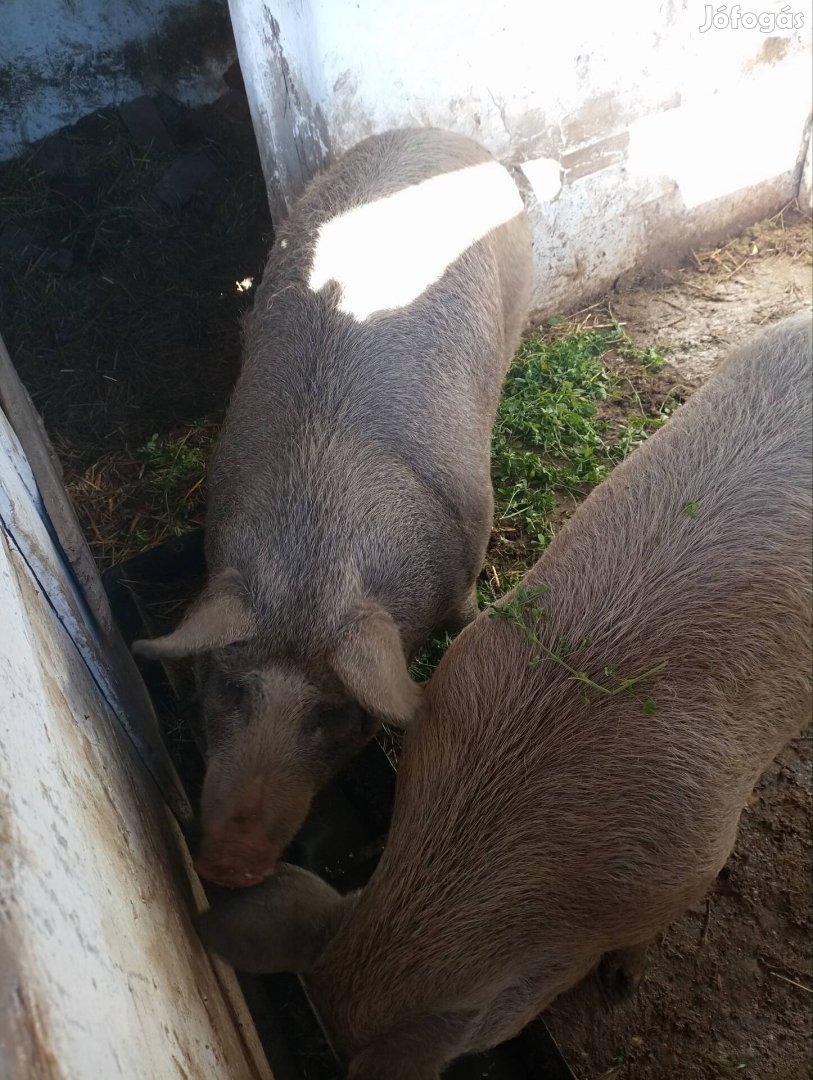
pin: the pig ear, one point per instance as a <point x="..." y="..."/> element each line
<point x="282" y="925"/>
<point x="371" y="664"/>
<point x="220" y="616"/>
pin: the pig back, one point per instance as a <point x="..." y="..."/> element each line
<point x="536" y="808"/>
<point x="379" y="421"/>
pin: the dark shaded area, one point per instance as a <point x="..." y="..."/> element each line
<point x="140" y="332"/>
<point x="123" y="241"/>
<point x="342" y="839"/>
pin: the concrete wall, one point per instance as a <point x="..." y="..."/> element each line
<point x="637" y="133"/>
<point x="806" y="184"/>
<point x="61" y="59"/>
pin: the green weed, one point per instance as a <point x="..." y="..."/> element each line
<point x="172" y="475"/>
<point x="430" y="655"/>
<point x="551" y="444"/>
<point x="524" y="612"/>
<point x="549" y="440"/>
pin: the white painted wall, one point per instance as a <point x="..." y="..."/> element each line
<point x="639" y="135"/>
<point x="806" y="185"/>
<point x="61" y="59"/>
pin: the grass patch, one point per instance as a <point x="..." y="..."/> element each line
<point x="430" y="655"/>
<point x="128" y="501"/>
<point x="558" y="433"/>
<point x="548" y="439"/>
<point x="173" y="474"/>
<point x="574" y="404"/>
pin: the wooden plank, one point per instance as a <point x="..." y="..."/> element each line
<point x="101" y="972"/>
<point x="46" y="470"/>
<point x="27" y="524"/>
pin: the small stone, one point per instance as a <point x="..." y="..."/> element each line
<point x="234" y="105"/>
<point x="176" y="119"/>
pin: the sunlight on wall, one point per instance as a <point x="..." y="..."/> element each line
<point x="719" y="145"/>
<point x="545" y="177"/>
<point x="385" y="254"/>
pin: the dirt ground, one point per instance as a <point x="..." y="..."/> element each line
<point x="699" y="312"/>
<point x="122" y="278"/>
<point x="729" y="989"/>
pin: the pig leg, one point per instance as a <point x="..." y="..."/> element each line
<point x="463" y="612"/>
<point x="620" y="972"/>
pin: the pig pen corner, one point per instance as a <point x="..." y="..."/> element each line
<point x="134" y="227"/>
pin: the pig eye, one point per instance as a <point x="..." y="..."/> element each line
<point x="231" y="691"/>
<point x="341" y="724"/>
<point x="232" y="652"/>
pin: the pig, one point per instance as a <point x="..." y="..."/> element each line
<point x="546" y="826"/>
<point x="349" y="498"/>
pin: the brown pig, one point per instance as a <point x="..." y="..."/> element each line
<point x="586" y="749"/>
<point x="349" y="499"/>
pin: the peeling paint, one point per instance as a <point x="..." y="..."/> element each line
<point x="598" y="155"/>
<point x="284" y="103"/>
<point x="772" y="50"/>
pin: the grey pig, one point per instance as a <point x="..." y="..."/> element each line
<point x="542" y="828"/>
<point x="349" y="499"/>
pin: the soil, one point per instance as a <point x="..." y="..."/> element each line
<point x="126" y="326"/>
<point x="699" y="312"/>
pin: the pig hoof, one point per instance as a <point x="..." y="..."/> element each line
<point x="619" y="973"/>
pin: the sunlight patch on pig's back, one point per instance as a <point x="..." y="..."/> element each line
<point x="385" y="254"/>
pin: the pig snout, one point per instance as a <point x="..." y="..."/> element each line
<point x="238" y="861"/>
<point x="239" y="852"/>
